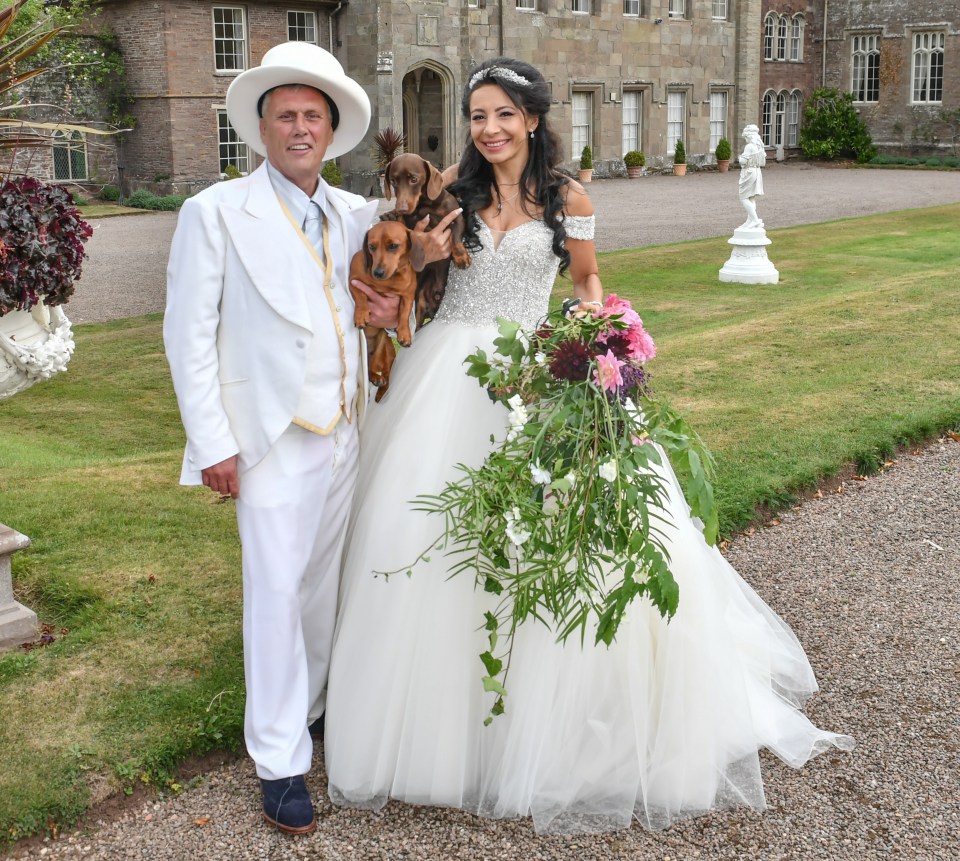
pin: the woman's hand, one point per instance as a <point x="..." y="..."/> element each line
<point x="435" y="244"/>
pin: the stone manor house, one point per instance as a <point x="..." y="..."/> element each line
<point x="625" y="74"/>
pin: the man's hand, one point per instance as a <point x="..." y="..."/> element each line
<point x="437" y="244"/>
<point x="222" y="478"/>
<point x="384" y="310"/>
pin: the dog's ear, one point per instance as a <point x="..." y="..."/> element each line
<point x="434" y="181"/>
<point x="367" y="256"/>
<point x="417" y="256"/>
<point x="387" y="184"/>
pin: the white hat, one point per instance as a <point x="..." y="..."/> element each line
<point x="299" y="63"/>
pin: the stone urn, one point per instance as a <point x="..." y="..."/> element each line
<point x="723" y="165"/>
<point x="34" y="345"/>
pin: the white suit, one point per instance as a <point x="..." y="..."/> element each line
<point x="239" y="326"/>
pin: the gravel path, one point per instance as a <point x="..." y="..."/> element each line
<point x="868" y="576"/>
<point x="125" y="274"/>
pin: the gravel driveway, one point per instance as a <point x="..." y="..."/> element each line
<point x="125" y="274"/>
<point x="868" y="576"/>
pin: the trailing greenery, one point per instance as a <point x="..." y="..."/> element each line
<point x="586" y="158"/>
<point x="109" y="193"/>
<point x="634" y="158"/>
<point x="855" y="352"/>
<point x="723" y="150"/>
<point x="679" y="153"/>
<point x="938" y="161"/>
<point x="832" y="128"/>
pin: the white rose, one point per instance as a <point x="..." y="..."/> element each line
<point x="608" y="470"/>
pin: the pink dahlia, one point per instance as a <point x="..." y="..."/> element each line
<point x="607" y="374"/>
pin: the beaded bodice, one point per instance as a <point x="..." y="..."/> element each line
<point x="510" y="279"/>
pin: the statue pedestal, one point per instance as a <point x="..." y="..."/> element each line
<point x="17" y="623"/>
<point x="748" y="263"/>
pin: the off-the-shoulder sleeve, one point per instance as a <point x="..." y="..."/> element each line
<point x="579" y="226"/>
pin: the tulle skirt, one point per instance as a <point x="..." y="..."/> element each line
<point x="665" y="723"/>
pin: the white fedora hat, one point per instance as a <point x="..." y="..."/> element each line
<point x="299" y="63"/>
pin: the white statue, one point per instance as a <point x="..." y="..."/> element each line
<point x="752" y="159"/>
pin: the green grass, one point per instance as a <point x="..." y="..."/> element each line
<point x="856" y="351"/>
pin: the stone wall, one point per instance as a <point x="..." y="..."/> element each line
<point x="895" y="121"/>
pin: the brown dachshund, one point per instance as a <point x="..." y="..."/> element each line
<point x="419" y="190"/>
<point x="385" y="263"/>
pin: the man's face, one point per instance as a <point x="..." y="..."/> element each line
<point x="296" y="130"/>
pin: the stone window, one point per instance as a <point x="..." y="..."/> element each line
<point x="229" y="39"/>
<point x="302" y="27"/>
<point x="718" y="117"/>
<point x="232" y="150"/>
<point x="527" y="5"/>
<point x="782" y="26"/>
<point x="719" y="11"/>
<point x="865" y="69"/>
<point x="632" y="8"/>
<point x="582" y="127"/>
<point x="928" y="67"/>
<point x="69" y="156"/>
<point x="581" y="7"/>
<point x="770" y="35"/>
<point x="796" y="38"/>
<point x="793" y="118"/>
<point x="632" y="120"/>
<point x="677" y="9"/>
<point x="676" y="118"/>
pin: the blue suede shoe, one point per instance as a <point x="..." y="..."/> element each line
<point x="286" y="804"/>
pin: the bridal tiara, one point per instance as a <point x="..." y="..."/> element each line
<point x="499" y="72"/>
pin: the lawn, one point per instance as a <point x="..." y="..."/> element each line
<point x="855" y="352"/>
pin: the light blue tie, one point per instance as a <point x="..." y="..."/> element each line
<point x="313" y="226"/>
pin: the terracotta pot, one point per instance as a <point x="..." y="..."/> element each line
<point x="635" y="172"/>
<point x="680" y="170"/>
<point x="585" y="175"/>
<point x="723" y="165"/>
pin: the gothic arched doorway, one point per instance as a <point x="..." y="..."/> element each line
<point x="429" y="113"/>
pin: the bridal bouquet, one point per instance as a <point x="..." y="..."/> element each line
<point x="564" y="521"/>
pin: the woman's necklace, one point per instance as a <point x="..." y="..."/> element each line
<point x="502" y="200"/>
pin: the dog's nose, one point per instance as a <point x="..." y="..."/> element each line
<point x="403" y="206"/>
<point x="379" y="272"/>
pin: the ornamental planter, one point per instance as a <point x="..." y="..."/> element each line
<point x="585" y="175"/>
<point x="34" y="345"/>
<point x="680" y="169"/>
<point x="635" y="172"/>
<point x="723" y="165"/>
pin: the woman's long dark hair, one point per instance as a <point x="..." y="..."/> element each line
<point x="541" y="180"/>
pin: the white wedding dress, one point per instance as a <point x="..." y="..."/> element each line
<point x="666" y="723"/>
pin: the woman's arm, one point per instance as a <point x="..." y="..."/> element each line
<point x="583" y="255"/>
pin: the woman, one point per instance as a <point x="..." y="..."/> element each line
<point x="665" y="723"/>
<point x="752" y="159"/>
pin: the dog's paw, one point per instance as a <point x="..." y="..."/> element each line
<point x="361" y="317"/>
<point x="461" y="257"/>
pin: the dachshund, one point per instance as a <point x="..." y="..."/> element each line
<point x="386" y="263"/>
<point x="419" y="190"/>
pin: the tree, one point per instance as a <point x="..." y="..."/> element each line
<point x="832" y="128"/>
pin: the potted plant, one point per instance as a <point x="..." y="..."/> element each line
<point x="331" y="174"/>
<point x="679" y="159"/>
<point x="586" y="164"/>
<point x="634" y="160"/>
<point x="42" y="237"/>
<point x="723" y="153"/>
<point x="388" y="144"/>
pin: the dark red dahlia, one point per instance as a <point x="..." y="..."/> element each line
<point x="570" y="360"/>
<point x="616" y="341"/>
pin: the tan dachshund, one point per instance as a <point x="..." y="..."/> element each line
<point x="418" y="187"/>
<point x="385" y="263"/>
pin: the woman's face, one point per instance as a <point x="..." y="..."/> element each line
<point x="500" y="130"/>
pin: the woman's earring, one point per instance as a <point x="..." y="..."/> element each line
<point x="531" y="135"/>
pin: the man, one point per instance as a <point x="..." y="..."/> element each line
<point x="270" y="380"/>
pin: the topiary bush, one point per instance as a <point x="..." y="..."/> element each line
<point x="41" y="237"/>
<point x="586" y="158"/>
<point x="634" y="158"/>
<point x="679" y="153"/>
<point x="331" y="174"/>
<point x="723" y="150"/>
<point x="832" y="128"/>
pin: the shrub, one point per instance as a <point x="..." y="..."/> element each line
<point x="832" y="128"/>
<point x="723" y="150"/>
<point x="143" y="199"/>
<point x="586" y="158"/>
<point x="331" y="174"/>
<point x="109" y="193"/>
<point x="231" y="171"/>
<point x="42" y="236"/>
<point x="634" y="158"/>
<point x="388" y="143"/>
<point x="679" y="153"/>
<point x="79" y="199"/>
